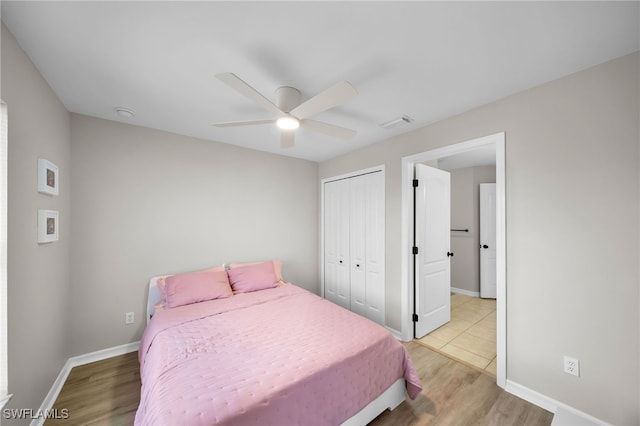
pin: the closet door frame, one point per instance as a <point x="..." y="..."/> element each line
<point x="375" y="169"/>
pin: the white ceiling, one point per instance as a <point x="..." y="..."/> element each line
<point x="429" y="60"/>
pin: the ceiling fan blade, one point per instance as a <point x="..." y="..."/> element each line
<point x="329" y="129"/>
<point x="238" y="84"/>
<point x="287" y="138"/>
<point x="243" y="123"/>
<point x="333" y="96"/>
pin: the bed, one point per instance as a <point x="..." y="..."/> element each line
<point x="278" y="355"/>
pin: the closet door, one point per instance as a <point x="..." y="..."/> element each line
<point x="343" y="287"/>
<point x="358" y="244"/>
<point x="331" y="241"/>
<point x="354" y="244"/>
<point x="374" y="246"/>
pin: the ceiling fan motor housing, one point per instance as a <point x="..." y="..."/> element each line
<point x="287" y="98"/>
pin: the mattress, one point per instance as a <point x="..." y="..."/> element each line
<point x="281" y="356"/>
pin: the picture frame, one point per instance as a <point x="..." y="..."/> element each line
<point x="47" y="177"/>
<point x="48" y="226"/>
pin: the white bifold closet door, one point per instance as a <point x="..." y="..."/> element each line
<point x="358" y="240"/>
<point x="354" y="244"/>
<point x="336" y="244"/>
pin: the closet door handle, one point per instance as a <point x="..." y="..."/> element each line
<point x="357" y="265"/>
<point x="341" y="261"/>
<point x="449" y="254"/>
<point x="484" y="246"/>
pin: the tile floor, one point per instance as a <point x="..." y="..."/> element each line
<point x="470" y="336"/>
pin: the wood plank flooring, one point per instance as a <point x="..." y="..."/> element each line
<point x="456" y="394"/>
<point x="101" y="393"/>
<point x="108" y="393"/>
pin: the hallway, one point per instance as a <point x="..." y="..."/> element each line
<point x="470" y="336"/>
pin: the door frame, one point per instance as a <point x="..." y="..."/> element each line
<point x="496" y="140"/>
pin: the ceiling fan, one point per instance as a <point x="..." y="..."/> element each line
<point x="290" y="112"/>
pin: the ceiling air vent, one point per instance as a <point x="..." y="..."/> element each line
<point x="396" y="122"/>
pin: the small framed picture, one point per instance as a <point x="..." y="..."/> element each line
<point x="47" y="226"/>
<point x="47" y="177"/>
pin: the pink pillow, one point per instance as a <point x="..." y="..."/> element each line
<point x="258" y="276"/>
<point x="193" y="287"/>
<point x="277" y="267"/>
<point x="162" y="282"/>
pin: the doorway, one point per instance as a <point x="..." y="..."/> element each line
<point x="496" y="144"/>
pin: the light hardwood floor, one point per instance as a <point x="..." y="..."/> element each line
<point x="456" y="394"/>
<point x="108" y="393"/>
<point x="101" y="393"/>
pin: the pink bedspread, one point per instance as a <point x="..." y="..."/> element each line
<point x="281" y="356"/>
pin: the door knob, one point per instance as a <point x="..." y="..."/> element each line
<point x="484" y="246"/>
<point x="449" y="253"/>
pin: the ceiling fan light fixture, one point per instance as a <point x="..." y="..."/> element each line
<point x="288" y="123"/>
<point x="292" y="113"/>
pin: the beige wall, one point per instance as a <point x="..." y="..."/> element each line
<point x="147" y="202"/>
<point x="465" y="214"/>
<point x="38" y="275"/>
<point x="572" y="200"/>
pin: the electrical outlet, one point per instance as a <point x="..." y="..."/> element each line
<point x="572" y="366"/>
<point x="128" y="318"/>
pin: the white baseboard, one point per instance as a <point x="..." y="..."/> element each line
<point x="4" y="400"/>
<point x="75" y="361"/>
<point x="397" y="334"/>
<point x="465" y="292"/>
<point x="571" y="417"/>
<point x="552" y="405"/>
<point x="104" y="354"/>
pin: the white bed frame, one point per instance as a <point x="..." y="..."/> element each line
<point x="154" y="296"/>
<point x="391" y="398"/>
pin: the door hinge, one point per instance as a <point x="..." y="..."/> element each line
<point x="415" y="250"/>
<point x="415" y="183"/>
<point x="415" y="317"/>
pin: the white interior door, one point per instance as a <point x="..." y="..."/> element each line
<point x="432" y="263"/>
<point x="488" y="277"/>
